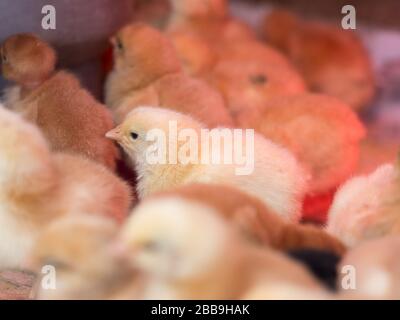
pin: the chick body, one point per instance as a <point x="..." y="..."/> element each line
<point x="38" y="187"/>
<point x="208" y="19"/>
<point x="366" y="207"/>
<point x="322" y="132"/>
<point x="78" y="247"/>
<point x="166" y="239"/>
<point x="253" y="218"/>
<point x="147" y="71"/>
<point x="69" y="117"/>
<point x="375" y="270"/>
<point x="271" y="173"/>
<point x="333" y="61"/>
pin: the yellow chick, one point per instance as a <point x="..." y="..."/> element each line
<point x="69" y="117"/>
<point x="371" y="270"/>
<point x="188" y="251"/>
<point x="78" y="248"/>
<point x="257" y="166"/>
<point x="147" y="71"/>
<point x="366" y="207"/>
<point x="332" y="60"/>
<point x="37" y="187"/>
<point x="253" y="218"/>
<point x="323" y="133"/>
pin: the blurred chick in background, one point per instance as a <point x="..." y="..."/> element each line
<point x="79" y="248"/>
<point x="209" y="19"/>
<point x="253" y="218"/>
<point x="37" y="187"/>
<point x="376" y="267"/>
<point x="332" y="60"/>
<point x="147" y="71"/>
<point x="272" y="173"/>
<point x="188" y="251"/>
<point x="321" y="131"/>
<point x="69" y="117"/>
<point x="367" y="207"/>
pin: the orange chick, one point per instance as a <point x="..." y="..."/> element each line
<point x="253" y="218"/>
<point x="37" y="187"/>
<point x="189" y="251"/>
<point x="69" y="117"/>
<point x="321" y="131"/>
<point x="332" y="60"/>
<point x="78" y="247"/>
<point x="147" y="71"/>
<point x="208" y="19"/>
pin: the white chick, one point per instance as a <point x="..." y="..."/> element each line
<point x="268" y="172"/>
<point x="366" y="207"/>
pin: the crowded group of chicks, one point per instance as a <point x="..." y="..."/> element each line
<point x="196" y="231"/>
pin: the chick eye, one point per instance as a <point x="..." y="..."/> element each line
<point x="134" y="135"/>
<point x="4" y="58"/>
<point x="119" y="44"/>
<point x="151" y="246"/>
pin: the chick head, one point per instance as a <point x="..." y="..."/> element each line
<point x="24" y="154"/>
<point x="26" y="59"/>
<point x="144" y="49"/>
<point x="77" y="248"/>
<point x="208" y="8"/>
<point x="146" y="130"/>
<point x="174" y="239"/>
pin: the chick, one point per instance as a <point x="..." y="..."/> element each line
<point x="208" y="19"/>
<point x="195" y="54"/>
<point x="321" y="131"/>
<point x="69" y="117"/>
<point x="332" y="60"/>
<point x="37" y="186"/>
<point x="375" y="269"/>
<point x="253" y="218"/>
<point x="366" y="207"/>
<point x="147" y="71"/>
<point x="78" y="247"/>
<point x="266" y="171"/>
<point x="189" y="251"/>
<point x="248" y="80"/>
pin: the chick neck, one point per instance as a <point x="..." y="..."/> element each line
<point x="28" y="87"/>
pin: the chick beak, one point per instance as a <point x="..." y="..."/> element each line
<point x="114" y="134"/>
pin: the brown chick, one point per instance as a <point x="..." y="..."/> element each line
<point x="251" y="216"/>
<point x="78" y="247"/>
<point x="321" y="131"/>
<point x="375" y="268"/>
<point x="69" y="117"/>
<point x="37" y="187"/>
<point x="188" y="251"/>
<point x="208" y="19"/>
<point x="332" y="60"/>
<point x="147" y="71"/>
